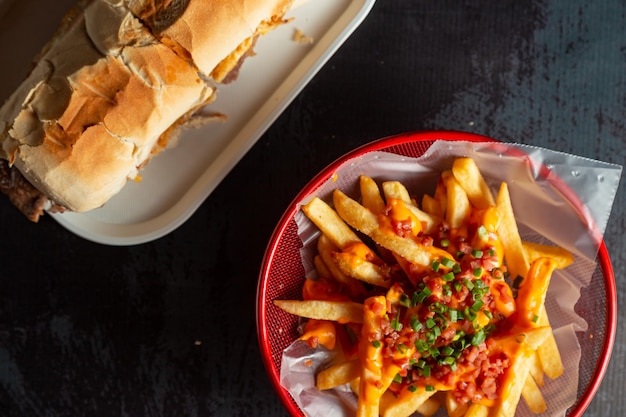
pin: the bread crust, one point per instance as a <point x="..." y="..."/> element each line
<point x="232" y="26"/>
<point x="103" y="99"/>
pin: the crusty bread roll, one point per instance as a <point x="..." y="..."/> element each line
<point x="118" y="77"/>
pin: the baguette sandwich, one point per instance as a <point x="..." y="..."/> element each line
<point x="108" y="91"/>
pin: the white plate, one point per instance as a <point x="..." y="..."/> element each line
<point x="176" y="182"/>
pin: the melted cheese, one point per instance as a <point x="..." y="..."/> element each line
<point x="321" y="332"/>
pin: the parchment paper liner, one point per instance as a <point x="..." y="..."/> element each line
<point x="558" y="198"/>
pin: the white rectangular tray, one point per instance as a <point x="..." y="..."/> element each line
<point x="177" y="181"/>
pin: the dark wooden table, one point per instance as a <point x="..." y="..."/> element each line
<point x="167" y="328"/>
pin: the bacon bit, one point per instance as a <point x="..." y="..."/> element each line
<point x="426" y="241"/>
<point x="377" y="308"/>
<point x="448" y="335"/>
<point x="464" y="247"/>
<point x="402" y="228"/>
<point x="313" y="342"/>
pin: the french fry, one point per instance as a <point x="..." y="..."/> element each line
<point x="530" y="299"/>
<point x="370" y="195"/>
<point x="514" y="254"/>
<point x="477" y="410"/>
<point x="330" y="224"/>
<point x="362" y="270"/>
<point x="367" y="222"/>
<point x="536" y="369"/>
<point x="355" y="384"/>
<point x="370" y="354"/>
<point x="321" y="267"/>
<point x="406" y="403"/>
<point x="549" y="354"/>
<point x="338" y="374"/>
<point x="339" y="311"/>
<point x="441" y="193"/>
<point x="396" y="190"/>
<point x="532" y="395"/>
<point x="428" y="407"/>
<point x="531" y="338"/>
<point x="457" y="204"/>
<point x="468" y="175"/>
<point x="453" y="407"/>
<point x="326" y="248"/>
<point x="513" y="384"/>
<point x="532" y="291"/>
<point x="562" y="257"/>
<point x="432" y="206"/>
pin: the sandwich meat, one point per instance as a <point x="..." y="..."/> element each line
<point x="109" y="90"/>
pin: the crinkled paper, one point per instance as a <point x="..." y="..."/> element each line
<point x="558" y="198"/>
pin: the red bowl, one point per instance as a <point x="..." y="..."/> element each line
<point x="282" y="276"/>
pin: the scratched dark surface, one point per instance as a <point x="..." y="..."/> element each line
<point x="168" y="328"/>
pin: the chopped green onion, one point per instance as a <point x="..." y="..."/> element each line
<point x="448" y="277"/>
<point x="520" y="338"/>
<point x="453" y="315"/>
<point x="416" y="325"/>
<point x="419" y="297"/>
<point x="478" y="272"/>
<point x="429" y="388"/>
<point x="376" y="343"/>
<point x="478" y="337"/>
<point x="412" y="388"/>
<point x="435" y="265"/>
<point x="483" y="234"/>
<point x="421" y="346"/>
<point x="448" y="360"/>
<point x="438" y="308"/>
<point x="477" y="253"/>
<point x="447" y="262"/>
<point x="436" y="331"/>
<point x="478" y="304"/>
<point x="457" y="353"/>
<point x="535" y="318"/>
<point x="469" y="314"/>
<point x="402" y="348"/>
<point x="456" y="268"/>
<point x="395" y="324"/>
<point x="447" y="350"/>
<point x="405" y="301"/>
<point x="397" y="379"/>
<point x="445" y="243"/>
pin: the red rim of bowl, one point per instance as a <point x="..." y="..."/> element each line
<point x="385" y="143"/>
